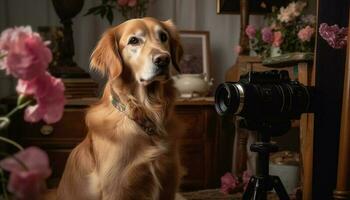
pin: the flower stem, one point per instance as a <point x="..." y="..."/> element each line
<point x="18" y="146"/>
<point x="2" y="56"/>
<point x="3" y="184"/>
<point x="19" y="107"/>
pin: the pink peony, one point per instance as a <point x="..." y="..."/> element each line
<point x="277" y="39"/>
<point x="130" y="3"/>
<point x="27" y="56"/>
<point x="246" y="178"/>
<point x="250" y="31"/>
<point x="306" y="34"/>
<point x="267" y="35"/>
<point x="238" y="49"/>
<point x="122" y="2"/>
<point x="228" y="183"/>
<point x="336" y="37"/>
<point x="49" y="94"/>
<point x="29" y="182"/>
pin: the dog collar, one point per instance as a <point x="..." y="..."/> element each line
<point x="116" y="102"/>
<point x="145" y="123"/>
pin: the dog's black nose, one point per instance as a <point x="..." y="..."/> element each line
<point x="161" y="60"/>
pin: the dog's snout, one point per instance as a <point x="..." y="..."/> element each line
<point x="161" y="60"/>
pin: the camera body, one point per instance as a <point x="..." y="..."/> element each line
<point x="264" y="96"/>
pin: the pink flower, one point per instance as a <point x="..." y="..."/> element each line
<point x="27" y="56"/>
<point x="267" y="35"/>
<point x="250" y="31"/>
<point x="228" y="183"/>
<point x="308" y="19"/>
<point x="122" y="2"/>
<point x="238" y="49"/>
<point x="306" y="34"/>
<point x="130" y="3"/>
<point x="277" y="39"/>
<point x="285" y="15"/>
<point x="29" y="182"/>
<point x="336" y="37"/>
<point x="246" y="178"/>
<point x="292" y="11"/>
<point x="49" y="94"/>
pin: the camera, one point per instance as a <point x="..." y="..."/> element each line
<point x="264" y="96"/>
<point x="267" y="101"/>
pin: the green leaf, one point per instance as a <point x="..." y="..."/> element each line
<point x="103" y="12"/>
<point x="94" y="10"/>
<point x="110" y="16"/>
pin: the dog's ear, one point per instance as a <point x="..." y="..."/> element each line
<point x="175" y="45"/>
<point x="106" y="58"/>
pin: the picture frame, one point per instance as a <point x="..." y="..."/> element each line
<point x="258" y="7"/>
<point x="196" y="52"/>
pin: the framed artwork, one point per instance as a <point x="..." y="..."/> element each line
<point x="255" y="6"/>
<point x="195" y="59"/>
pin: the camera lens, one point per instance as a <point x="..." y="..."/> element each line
<point x="229" y="98"/>
<point x="264" y="96"/>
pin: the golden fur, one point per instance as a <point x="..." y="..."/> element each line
<point x="117" y="160"/>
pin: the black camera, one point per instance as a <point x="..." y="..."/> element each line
<point x="264" y="96"/>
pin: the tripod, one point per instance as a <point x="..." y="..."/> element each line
<point x="262" y="182"/>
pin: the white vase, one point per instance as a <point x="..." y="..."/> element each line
<point x="192" y="85"/>
<point x="275" y="51"/>
<point x="252" y="44"/>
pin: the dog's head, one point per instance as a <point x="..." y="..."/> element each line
<point x="140" y="50"/>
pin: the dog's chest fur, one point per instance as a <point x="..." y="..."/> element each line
<point x="133" y="162"/>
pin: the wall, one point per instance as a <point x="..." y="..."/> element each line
<point x="187" y="14"/>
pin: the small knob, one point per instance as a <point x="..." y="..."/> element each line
<point x="46" y="130"/>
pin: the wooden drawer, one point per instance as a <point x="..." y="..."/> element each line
<point x="193" y="160"/>
<point x="58" y="159"/>
<point x="70" y="130"/>
<point x="194" y="122"/>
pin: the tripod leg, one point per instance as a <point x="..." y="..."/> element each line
<point x="279" y="188"/>
<point x="260" y="192"/>
<point x="250" y="189"/>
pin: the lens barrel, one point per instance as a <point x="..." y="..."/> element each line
<point x="229" y="98"/>
<point x="271" y="101"/>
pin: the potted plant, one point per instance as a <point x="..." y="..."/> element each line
<point x="128" y="8"/>
<point x="288" y="30"/>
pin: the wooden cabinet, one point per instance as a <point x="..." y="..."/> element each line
<point x="206" y="146"/>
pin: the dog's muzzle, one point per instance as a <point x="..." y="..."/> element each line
<point x="161" y="63"/>
<point x="161" y="60"/>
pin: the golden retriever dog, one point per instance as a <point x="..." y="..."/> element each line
<point x="130" y="151"/>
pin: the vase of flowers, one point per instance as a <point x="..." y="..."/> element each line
<point x="25" y="56"/>
<point x="128" y="8"/>
<point x="288" y="30"/>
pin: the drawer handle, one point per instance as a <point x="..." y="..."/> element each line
<point x="46" y="130"/>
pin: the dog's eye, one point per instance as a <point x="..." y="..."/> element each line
<point x="133" y="41"/>
<point x="163" y="37"/>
